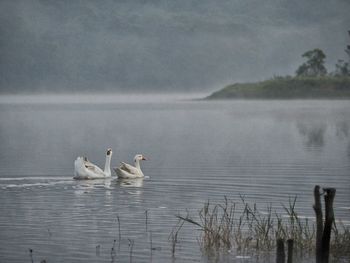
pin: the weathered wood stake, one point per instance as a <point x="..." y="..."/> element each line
<point x="280" y="255"/>
<point x="323" y="233"/>
<point x="290" y="243"/>
<point x="326" y="237"/>
<point x="319" y="223"/>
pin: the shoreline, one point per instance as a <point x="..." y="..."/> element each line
<point x="287" y="88"/>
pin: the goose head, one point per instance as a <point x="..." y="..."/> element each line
<point x="140" y="157"/>
<point x="109" y="152"/>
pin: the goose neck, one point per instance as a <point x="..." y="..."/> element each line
<point x="107" y="169"/>
<point x="137" y="164"/>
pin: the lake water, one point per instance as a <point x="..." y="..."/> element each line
<point x="268" y="151"/>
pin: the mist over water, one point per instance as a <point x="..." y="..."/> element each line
<point x="164" y="46"/>
<point x="268" y="151"/>
<point x="78" y="77"/>
<point x="112" y="98"/>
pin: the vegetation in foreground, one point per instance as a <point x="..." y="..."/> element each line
<point x="249" y="231"/>
<point x="311" y="80"/>
<point x="241" y="229"/>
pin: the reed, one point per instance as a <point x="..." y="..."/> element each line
<point x="174" y="235"/>
<point x="150" y="242"/>
<point x="113" y="252"/>
<point x="246" y="229"/>
<point x="119" y="232"/>
<point x="340" y="245"/>
<point x="146" y="215"/>
<point x="297" y="229"/>
<point x="98" y="250"/>
<point x="31" y="255"/>
<point x="131" y="247"/>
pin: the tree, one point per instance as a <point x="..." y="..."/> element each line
<point x="342" y="68"/>
<point x="347" y="50"/>
<point x="314" y="66"/>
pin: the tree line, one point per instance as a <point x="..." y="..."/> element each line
<point x="314" y="66"/>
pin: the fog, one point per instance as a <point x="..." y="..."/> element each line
<point x="161" y="46"/>
<point x="97" y="99"/>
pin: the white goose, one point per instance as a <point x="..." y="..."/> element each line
<point x="128" y="171"/>
<point x="84" y="169"/>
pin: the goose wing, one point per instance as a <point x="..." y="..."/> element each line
<point x="86" y="170"/>
<point x="124" y="174"/>
<point x="86" y="162"/>
<point x="92" y="167"/>
<point x="128" y="168"/>
<point x="96" y="170"/>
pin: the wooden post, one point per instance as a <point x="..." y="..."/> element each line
<point x="280" y="255"/>
<point x="329" y="219"/>
<point x="323" y="234"/>
<point x="290" y="243"/>
<point x="319" y="223"/>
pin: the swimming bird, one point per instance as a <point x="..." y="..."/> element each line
<point x="84" y="169"/>
<point x="128" y="171"/>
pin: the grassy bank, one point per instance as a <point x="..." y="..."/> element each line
<point x="288" y="88"/>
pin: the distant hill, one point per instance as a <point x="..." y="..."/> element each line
<point x="288" y="88"/>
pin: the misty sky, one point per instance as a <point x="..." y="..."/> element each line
<point x="128" y="46"/>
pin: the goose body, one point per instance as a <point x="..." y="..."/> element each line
<point x="127" y="171"/>
<point x="85" y="170"/>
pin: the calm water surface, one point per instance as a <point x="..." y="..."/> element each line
<point x="267" y="151"/>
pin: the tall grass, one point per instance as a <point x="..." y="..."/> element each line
<point x="340" y="245"/>
<point x="246" y="229"/>
<point x="173" y="237"/>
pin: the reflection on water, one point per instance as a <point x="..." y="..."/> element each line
<point x="312" y="133"/>
<point x="131" y="182"/>
<point x="86" y="186"/>
<point x="267" y="151"/>
<point x="342" y="129"/>
<point x="342" y="132"/>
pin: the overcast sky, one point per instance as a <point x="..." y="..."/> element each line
<point x="128" y="46"/>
